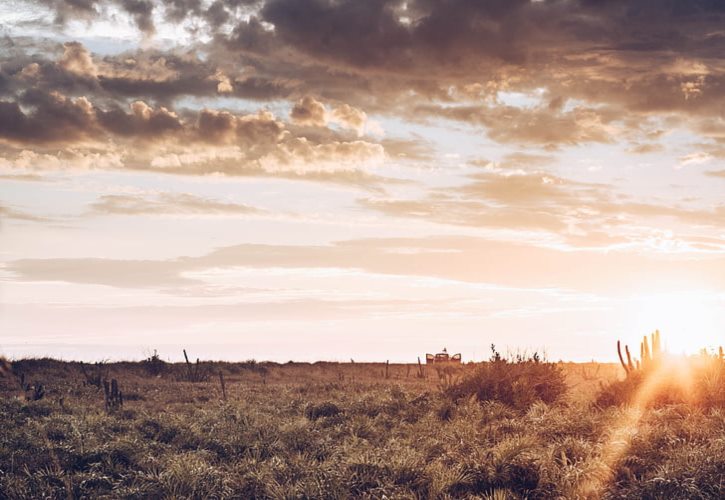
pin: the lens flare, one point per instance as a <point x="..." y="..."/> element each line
<point x="668" y="378"/>
<point x="689" y="317"/>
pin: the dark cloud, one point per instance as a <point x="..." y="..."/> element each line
<point x="54" y="118"/>
<point x="143" y="121"/>
<point x="593" y="72"/>
<point x="639" y="56"/>
<point x="78" y="133"/>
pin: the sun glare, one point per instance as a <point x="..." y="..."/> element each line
<point x="689" y="321"/>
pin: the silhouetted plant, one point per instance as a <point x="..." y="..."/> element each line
<point x="194" y="371"/>
<point x="113" y="395"/>
<point x="154" y="365"/>
<point x="421" y="372"/>
<point x="37" y="392"/>
<point x="518" y="383"/>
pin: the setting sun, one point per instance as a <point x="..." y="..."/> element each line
<point x="690" y="321"/>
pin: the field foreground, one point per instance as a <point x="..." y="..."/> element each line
<point x="329" y="430"/>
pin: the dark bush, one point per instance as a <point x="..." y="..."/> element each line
<point x="154" y="365"/>
<point x="151" y="429"/>
<point x="518" y="383"/>
<point x="314" y="412"/>
<point x="252" y="366"/>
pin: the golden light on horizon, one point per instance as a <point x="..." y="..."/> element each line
<point x="687" y="320"/>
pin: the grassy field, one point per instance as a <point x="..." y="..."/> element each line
<point x="503" y="429"/>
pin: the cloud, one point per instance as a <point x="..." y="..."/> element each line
<point x="14" y="214"/>
<point x="697" y="158"/>
<point x="646" y="148"/>
<point x="349" y="117"/>
<point x="536" y="204"/>
<point x="476" y="260"/>
<point x="53" y="131"/>
<point x="299" y="154"/>
<point x="449" y="211"/>
<point x="123" y="274"/>
<point x="27" y="160"/>
<point x="143" y="121"/>
<point x="55" y="118"/>
<point x="167" y="203"/>
<point x="76" y="59"/>
<point x="224" y="85"/>
<point x="534" y="125"/>
<point x="599" y="70"/>
<point x="222" y="127"/>
<point x="141" y="11"/>
<point x="309" y="111"/>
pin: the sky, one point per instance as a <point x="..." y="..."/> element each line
<point x="370" y="180"/>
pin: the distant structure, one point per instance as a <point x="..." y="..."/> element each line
<point x="442" y="357"/>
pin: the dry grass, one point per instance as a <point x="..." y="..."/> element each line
<point x="328" y="430"/>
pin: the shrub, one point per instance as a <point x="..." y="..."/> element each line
<point x="617" y="393"/>
<point x="314" y="412"/>
<point x="518" y="383"/>
<point x="154" y="365"/>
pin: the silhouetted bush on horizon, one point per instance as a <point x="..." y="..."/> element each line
<point x="518" y="382"/>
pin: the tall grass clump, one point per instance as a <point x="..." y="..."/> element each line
<point x="518" y="382"/>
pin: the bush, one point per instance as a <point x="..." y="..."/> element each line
<point x="617" y="393"/>
<point x="518" y="383"/>
<point x="314" y="412"/>
<point x="154" y="365"/>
